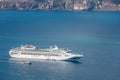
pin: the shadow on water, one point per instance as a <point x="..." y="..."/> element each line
<point x="76" y="62"/>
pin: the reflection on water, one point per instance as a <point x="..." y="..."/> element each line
<point x="42" y="69"/>
<point x="19" y="60"/>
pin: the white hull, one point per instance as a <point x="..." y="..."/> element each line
<point x="47" y="58"/>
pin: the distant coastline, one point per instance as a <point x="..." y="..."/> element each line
<point x="65" y="5"/>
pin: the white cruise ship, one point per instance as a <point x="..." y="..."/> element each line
<point x="52" y="53"/>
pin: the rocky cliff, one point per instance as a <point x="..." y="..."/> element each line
<point x="80" y="5"/>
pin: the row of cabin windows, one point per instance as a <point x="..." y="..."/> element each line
<point x="14" y="53"/>
<point x="40" y="54"/>
<point x="32" y="51"/>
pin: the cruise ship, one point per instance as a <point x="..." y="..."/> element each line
<point x="51" y="53"/>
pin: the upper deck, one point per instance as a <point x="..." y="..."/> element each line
<point x="31" y="48"/>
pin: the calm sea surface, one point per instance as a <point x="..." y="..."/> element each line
<point x="96" y="34"/>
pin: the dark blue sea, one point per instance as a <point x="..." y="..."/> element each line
<point x="96" y="34"/>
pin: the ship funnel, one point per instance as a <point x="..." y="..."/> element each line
<point x="55" y="47"/>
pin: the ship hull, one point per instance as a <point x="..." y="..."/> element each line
<point x="42" y="57"/>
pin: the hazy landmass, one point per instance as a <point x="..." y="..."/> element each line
<point x="80" y="5"/>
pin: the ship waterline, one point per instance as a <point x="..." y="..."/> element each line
<point x="52" y="53"/>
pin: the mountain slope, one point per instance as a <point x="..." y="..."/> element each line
<point x="88" y="5"/>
